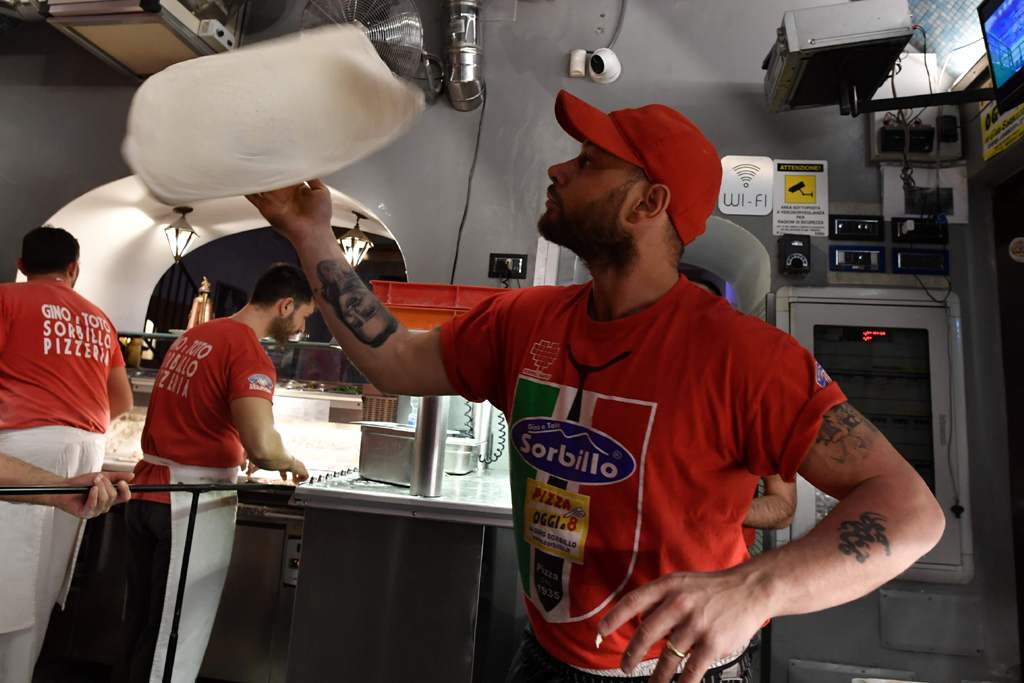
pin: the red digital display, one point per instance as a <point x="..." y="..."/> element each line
<point x="871" y="335"/>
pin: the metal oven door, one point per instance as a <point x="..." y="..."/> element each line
<point x="249" y="642"/>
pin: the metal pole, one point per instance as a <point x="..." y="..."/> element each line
<point x="172" y="643"/>
<point x="916" y="101"/>
<point x="428" y="447"/>
<point x="196" y="490"/>
<point x="142" y="488"/>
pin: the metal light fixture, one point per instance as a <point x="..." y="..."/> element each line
<point x="355" y="243"/>
<point x="180" y="235"/>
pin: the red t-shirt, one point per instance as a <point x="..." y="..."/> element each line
<point x="56" y="351"/>
<point x="188" y="419"/>
<point x="636" y="444"/>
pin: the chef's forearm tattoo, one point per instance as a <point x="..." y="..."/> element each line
<point x="857" y="536"/>
<point x="354" y="304"/>
<point x="845" y="434"/>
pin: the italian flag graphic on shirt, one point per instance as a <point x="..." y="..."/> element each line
<point x="577" y="472"/>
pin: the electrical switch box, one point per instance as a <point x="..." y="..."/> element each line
<point x="856" y="259"/>
<point x="507" y="266"/>
<point x="906" y="230"/>
<point x="866" y="228"/>
<point x="921" y="261"/>
<point x="794" y="254"/>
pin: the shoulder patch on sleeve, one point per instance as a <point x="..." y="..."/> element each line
<point x="260" y="382"/>
<point x="821" y="377"/>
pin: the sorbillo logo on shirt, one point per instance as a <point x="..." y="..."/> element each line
<point x="260" y="382"/>
<point x="571" y="451"/>
<point x="180" y="365"/>
<point x="82" y="335"/>
<point x="820" y="376"/>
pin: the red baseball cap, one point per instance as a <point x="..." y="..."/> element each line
<point x="664" y="143"/>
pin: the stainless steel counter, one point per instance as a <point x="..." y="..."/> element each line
<point x="480" y="498"/>
<point x="142" y="382"/>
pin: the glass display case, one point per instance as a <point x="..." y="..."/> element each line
<point x="318" y="399"/>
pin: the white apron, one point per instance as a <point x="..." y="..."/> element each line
<point x="212" y="541"/>
<point x="40" y="543"/>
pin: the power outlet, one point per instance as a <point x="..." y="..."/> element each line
<point x="507" y="266"/>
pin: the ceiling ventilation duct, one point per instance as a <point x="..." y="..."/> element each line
<point x="142" y="37"/>
<point x="465" y="81"/>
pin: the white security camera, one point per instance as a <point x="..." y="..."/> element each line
<point x="604" y="66"/>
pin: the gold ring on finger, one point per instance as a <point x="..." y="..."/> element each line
<point x="672" y="648"/>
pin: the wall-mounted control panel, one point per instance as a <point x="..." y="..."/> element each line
<point x="863" y="228"/>
<point x="856" y="258"/>
<point x="794" y="254"/>
<point x="920" y="261"/>
<point x="906" y="230"/>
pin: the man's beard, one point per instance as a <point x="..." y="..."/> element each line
<point x="281" y="329"/>
<point x="594" y="234"/>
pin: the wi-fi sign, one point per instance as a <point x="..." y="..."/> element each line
<point x="746" y="185"/>
<point x="746" y="173"/>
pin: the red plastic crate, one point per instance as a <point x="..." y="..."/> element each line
<point x="424" y="306"/>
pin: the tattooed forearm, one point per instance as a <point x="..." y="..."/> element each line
<point x="845" y="433"/>
<point x="856" y="536"/>
<point x="354" y="304"/>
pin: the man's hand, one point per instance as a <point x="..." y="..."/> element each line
<point x="707" y="616"/>
<point x="108" y="489"/>
<point x="298" y="470"/>
<point x="298" y="211"/>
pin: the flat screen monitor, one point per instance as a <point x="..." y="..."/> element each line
<point x="1002" y="24"/>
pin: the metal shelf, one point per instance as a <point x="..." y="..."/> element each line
<point x="170" y="336"/>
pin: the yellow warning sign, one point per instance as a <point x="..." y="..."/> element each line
<point x="800" y="189"/>
<point x="999" y="131"/>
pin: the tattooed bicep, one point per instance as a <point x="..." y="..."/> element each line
<point x="846" y="435"/>
<point x="847" y="450"/>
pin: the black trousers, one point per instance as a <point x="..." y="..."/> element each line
<point x="532" y="664"/>
<point x="149" y="556"/>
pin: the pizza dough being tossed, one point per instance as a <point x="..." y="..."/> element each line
<point x="265" y="117"/>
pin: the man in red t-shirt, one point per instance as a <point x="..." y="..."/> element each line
<point x="210" y="409"/>
<point x="643" y="412"/>
<point x="62" y="381"/>
<point x="775" y="503"/>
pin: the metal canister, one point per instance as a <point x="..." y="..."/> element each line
<point x="429" y="447"/>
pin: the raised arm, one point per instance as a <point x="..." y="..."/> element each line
<point x="395" y="359"/>
<point x="886" y="519"/>
<point x="773" y="510"/>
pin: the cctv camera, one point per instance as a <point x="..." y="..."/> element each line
<point x="604" y="66"/>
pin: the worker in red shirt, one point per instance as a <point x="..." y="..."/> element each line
<point x="62" y="380"/>
<point x="210" y="409"/>
<point x="643" y="412"/>
<point x="773" y="508"/>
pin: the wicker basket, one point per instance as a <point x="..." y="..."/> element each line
<point x="380" y="408"/>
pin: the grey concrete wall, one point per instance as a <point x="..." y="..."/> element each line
<point x="62" y="117"/>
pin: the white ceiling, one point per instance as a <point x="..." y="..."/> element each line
<point x="124" y="251"/>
